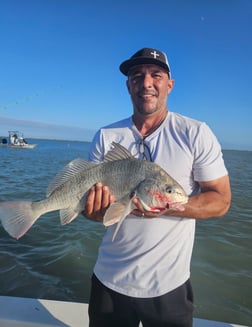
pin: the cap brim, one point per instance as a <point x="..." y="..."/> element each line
<point x="126" y="65"/>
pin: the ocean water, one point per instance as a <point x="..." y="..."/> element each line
<point x="55" y="262"/>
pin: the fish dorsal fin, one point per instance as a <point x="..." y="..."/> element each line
<point x="118" y="152"/>
<point x="71" y="169"/>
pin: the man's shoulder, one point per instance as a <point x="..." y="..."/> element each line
<point x="184" y="120"/>
<point x="126" y="122"/>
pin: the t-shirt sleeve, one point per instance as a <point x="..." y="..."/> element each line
<point x="96" y="152"/>
<point x="208" y="164"/>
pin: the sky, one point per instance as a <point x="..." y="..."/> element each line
<point x="59" y="63"/>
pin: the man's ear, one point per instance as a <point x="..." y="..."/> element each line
<point x="170" y="85"/>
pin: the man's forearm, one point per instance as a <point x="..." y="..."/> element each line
<point x="203" y="206"/>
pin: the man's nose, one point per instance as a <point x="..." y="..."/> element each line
<point x="147" y="81"/>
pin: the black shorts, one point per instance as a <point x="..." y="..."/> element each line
<point x="108" y="308"/>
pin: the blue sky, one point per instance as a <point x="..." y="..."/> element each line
<point x="59" y="75"/>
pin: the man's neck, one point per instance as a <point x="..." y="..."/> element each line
<point x="148" y="124"/>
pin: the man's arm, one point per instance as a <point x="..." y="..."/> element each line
<point x="213" y="201"/>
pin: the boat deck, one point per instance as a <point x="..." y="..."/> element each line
<point x="26" y="312"/>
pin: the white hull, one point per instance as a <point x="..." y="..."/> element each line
<point x="23" y="146"/>
<point x="25" y="312"/>
<point x="15" y="141"/>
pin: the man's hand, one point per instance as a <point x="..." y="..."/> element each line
<point x="98" y="201"/>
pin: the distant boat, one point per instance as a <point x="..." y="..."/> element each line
<point x="16" y="140"/>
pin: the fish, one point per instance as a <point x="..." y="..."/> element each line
<point x="126" y="176"/>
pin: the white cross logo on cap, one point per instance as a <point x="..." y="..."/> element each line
<point x="155" y="54"/>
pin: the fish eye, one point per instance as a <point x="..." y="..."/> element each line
<point x="169" y="189"/>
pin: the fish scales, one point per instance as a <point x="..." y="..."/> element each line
<point x="114" y="174"/>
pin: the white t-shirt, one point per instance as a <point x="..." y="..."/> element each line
<point x="150" y="257"/>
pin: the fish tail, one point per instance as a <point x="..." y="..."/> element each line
<point x="18" y="216"/>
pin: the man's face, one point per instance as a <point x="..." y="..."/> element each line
<point x="149" y="86"/>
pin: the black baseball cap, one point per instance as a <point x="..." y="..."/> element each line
<point x="146" y="56"/>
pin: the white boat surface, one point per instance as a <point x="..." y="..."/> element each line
<point x="19" y="146"/>
<point x="16" y="140"/>
<point x="28" y="312"/>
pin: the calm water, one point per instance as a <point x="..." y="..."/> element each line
<point x="55" y="262"/>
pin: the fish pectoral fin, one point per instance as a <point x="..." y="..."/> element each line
<point x="114" y="213"/>
<point x="118" y="209"/>
<point x="127" y="210"/>
<point x="67" y="215"/>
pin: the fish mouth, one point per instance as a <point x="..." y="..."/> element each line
<point x="151" y="209"/>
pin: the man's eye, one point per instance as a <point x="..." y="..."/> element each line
<point x="157" y="76"/>
<point x="137" y="76"/>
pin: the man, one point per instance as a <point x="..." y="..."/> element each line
<point x="144" y="275"/>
